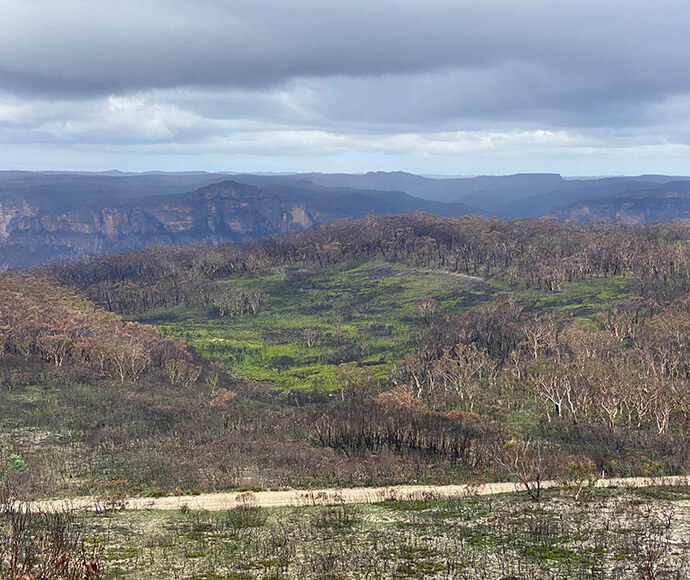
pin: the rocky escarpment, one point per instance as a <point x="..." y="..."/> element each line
<point x="232" y="211"/>
<point x="38" y="224"/>
<point x="11" y="211"/>
<point x="630" y="208"/>
<point x="215" y="214"/>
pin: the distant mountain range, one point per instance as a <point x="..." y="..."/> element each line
<point x="666" y="203"/>
<point x="508" y="196"/>
<point x="48" y="216"/>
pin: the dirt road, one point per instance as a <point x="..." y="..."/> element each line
<point x="224" y="501"/>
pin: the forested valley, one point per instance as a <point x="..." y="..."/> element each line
<point x="379" y="351"/>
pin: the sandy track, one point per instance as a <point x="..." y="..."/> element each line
<point x="295" y="498"/>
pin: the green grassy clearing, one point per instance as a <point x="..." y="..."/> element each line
<point x="363" y="314"/>
<point x="578" y="300"/>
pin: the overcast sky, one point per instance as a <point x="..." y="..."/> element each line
<point x="458" y="87"/>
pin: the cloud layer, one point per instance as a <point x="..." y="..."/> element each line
<point x="357" y="83"/>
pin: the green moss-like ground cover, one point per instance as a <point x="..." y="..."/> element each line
<point x="362" y="314"/>
<point x="615" y="534"/>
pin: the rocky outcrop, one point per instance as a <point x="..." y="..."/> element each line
<point x="215" y="214"/>
<point x="631" y="208"/>
<point x="47" y="225"/>
<point x="12" y="211"/>
<point x="231" y="211"/>
<point x="52" y="236"/>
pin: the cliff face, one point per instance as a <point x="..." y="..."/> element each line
<point x="230" y="211"/>
<point x="75" y="216"/>
<point x="53" y="236"/>
<point x="633" y="208"/>
<point x="215" y="214"/>
<point x="12" y="210"/>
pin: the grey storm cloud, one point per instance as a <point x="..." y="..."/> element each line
<point x="93" y="47"/>
<point x="183" y="72"/>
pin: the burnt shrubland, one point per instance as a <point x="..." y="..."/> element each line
<point x="530" y="376"/>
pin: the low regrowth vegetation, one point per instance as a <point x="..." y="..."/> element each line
<point x="383" y="351"/>
<point x="612" y="534"/>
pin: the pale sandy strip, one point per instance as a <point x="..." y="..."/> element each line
<point x="223" y="501"/>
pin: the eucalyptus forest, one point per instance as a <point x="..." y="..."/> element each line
<point x="381" y="351"/>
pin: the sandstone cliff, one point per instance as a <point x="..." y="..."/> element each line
<point x="50" y="218"/>
<point x="219" y="213"/>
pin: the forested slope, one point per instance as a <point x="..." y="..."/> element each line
<point x="533" y="344"/>
<point x="383" y="350"/>
<point x="541" y="255"/>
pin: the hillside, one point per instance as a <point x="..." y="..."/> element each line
<point x="36" y="228"/>
<point x="41" y="320"/>
<point x="60" y="191"/>
<point x="669" y="203"/>
<point x="487" y="192"/>
<point x="507" y="196"/>
<point x="396" y="327"/>
<point x="373" y="352"/>
<point x="46" y="217"/>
